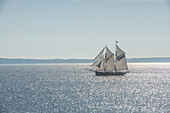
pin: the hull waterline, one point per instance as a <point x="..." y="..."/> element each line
<point x="110" y="73"/>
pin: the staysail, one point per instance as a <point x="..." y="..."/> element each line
<point x="121" y="63"/>
<point x="98" y="59"/>
<point x="100" y="54"/>
<point x="97" y="62"/>
<point x="101" y="67"/>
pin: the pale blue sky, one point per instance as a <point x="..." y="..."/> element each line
<point x="81" y="28"/>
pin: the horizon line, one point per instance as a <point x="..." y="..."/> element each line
<point x="74" y="58"/>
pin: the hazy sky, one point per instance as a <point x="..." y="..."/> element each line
<point x="81" y="28"/>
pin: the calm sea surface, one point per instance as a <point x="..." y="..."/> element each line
<point x="68" y="88"/>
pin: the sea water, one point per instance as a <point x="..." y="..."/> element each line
<point x="69" y="88"/>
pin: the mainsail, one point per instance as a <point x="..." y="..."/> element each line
<point x="121" y="63"/>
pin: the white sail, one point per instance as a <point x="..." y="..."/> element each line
<point x="99" y="55"/>
<point x="121" y="63"/>
<point x="119" y="51"/>
<point x="108" y="53"/>
<point x="101" y="68"/>
<point x="97" y="63"/>
<point x="110" y="63"/>
<point x="109" y="60"/>
<point x="98" y="59"/>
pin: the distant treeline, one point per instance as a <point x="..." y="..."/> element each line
<point x="35" y="61"/>
<point x="156" y="59"/>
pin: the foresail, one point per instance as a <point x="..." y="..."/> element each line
<point x="108" y="53"/>
<point x="99" y="55"/>
<point x="121" y="63"/>
<point x="110" y="64"/>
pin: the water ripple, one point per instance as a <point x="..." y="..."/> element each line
<point x="70" y="88"/>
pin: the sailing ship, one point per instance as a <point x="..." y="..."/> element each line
<point x="105" y="64"/>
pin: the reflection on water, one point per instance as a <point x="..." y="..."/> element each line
<point x="70" y="88"/>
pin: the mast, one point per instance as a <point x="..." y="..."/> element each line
<point x="116" y="54"/>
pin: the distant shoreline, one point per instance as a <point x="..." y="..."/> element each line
<point x="51" y="61"/>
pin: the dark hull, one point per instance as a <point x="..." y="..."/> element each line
<point x="110" y="73"/>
